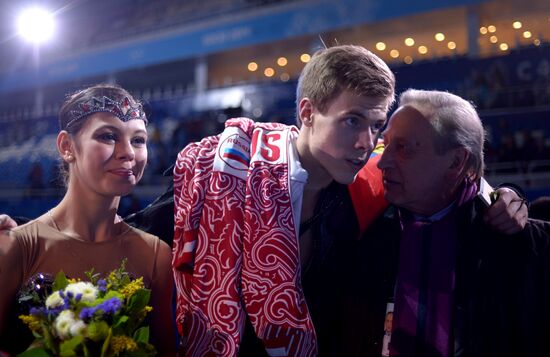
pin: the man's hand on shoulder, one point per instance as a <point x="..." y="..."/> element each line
<point x="509" y="213"/>
<point x="6" y="222"/>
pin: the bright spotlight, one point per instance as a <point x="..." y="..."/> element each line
<point x="35" y="25"/>
<point x="380" y="46"/>
<point x="439" y="36"/>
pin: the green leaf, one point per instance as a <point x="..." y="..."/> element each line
<point x="49" y="339"/>
<point x="112" y="294"/>
<point x="105" y="349"/>
<point x="35" y="352"/>
<point x="92" y="277"/>
<point x="69" y="347"/>
<point x="142" y="334"/>
<point x="86" y="350"/>
<point x="24" y="299"/>
<point x="60" y="281"/>
<point x="119" y="323"/>
<point x="98" y="330"/>
<point x="139" y="300"/>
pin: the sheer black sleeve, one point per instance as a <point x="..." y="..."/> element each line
<point x="158" y="217"/>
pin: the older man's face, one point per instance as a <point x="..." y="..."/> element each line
<point x="414" y="174"/>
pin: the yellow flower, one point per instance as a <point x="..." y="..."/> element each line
<point x="132" y="287"/>
<point x="120" y="344"/>
<point x="32" y="321"/>
<point x="111" y="280"/>
<point x="142" y="313"/>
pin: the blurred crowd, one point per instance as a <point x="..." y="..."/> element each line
<point x="493" y="89"/>
<point x="116" y="22"/>
<point x="516" y="143"/>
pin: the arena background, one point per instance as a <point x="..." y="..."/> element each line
<point x="196" y="63"/>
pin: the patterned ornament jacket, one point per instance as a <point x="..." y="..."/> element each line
<point x="236" y="250"/>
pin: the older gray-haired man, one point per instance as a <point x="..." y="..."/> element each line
<point x="456" y="286"/>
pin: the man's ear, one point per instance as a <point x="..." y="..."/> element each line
<point x="305" y="111"/>
<point x="65" y="146"/>
<point x="458" y="163"/>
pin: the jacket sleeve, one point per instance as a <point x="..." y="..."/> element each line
<point x="158" y="217"/>
<point x="538" y="232"/>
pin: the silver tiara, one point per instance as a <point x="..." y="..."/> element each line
<point x="124" y="110"/>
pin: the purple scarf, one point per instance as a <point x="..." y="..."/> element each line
<point x="422" y="324"/>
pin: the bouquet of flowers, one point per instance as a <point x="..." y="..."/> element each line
<point x="99" y="317"/>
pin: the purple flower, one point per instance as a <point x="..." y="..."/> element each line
<point x="107" y="309"/>
<point x="102" y="285"/>
<point x="87" y="313"/>
<point x="46" y="312"/>
<point x="111" y="306"/>
<point x="66" y="299"/>
<point x="37" y="311"/>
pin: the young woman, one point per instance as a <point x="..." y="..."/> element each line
<point x="102" y="143"/>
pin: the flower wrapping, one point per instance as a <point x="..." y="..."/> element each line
<point x="104" y="316"/>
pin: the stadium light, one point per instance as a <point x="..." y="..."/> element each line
<point x="36" y="25"/>
<point x="439" y="36"/>
<point x="282" y="61"/>
<point x="517" y="25"/>
<point x="304" y="57"/>
<point x="252" y="66"/>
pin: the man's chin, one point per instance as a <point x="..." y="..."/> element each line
<point x="346" y="180"/>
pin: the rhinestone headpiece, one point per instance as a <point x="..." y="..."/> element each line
<point x="124" y="110"/>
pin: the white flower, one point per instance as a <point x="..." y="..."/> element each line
<point x="63" y="324"/>
<point x="78" y="328"/>
<point x="88" y="290"/>
<point x="54" y="300"/>
<point x="66" y="325"/>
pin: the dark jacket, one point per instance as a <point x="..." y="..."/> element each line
<point x="502" y="291"/>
